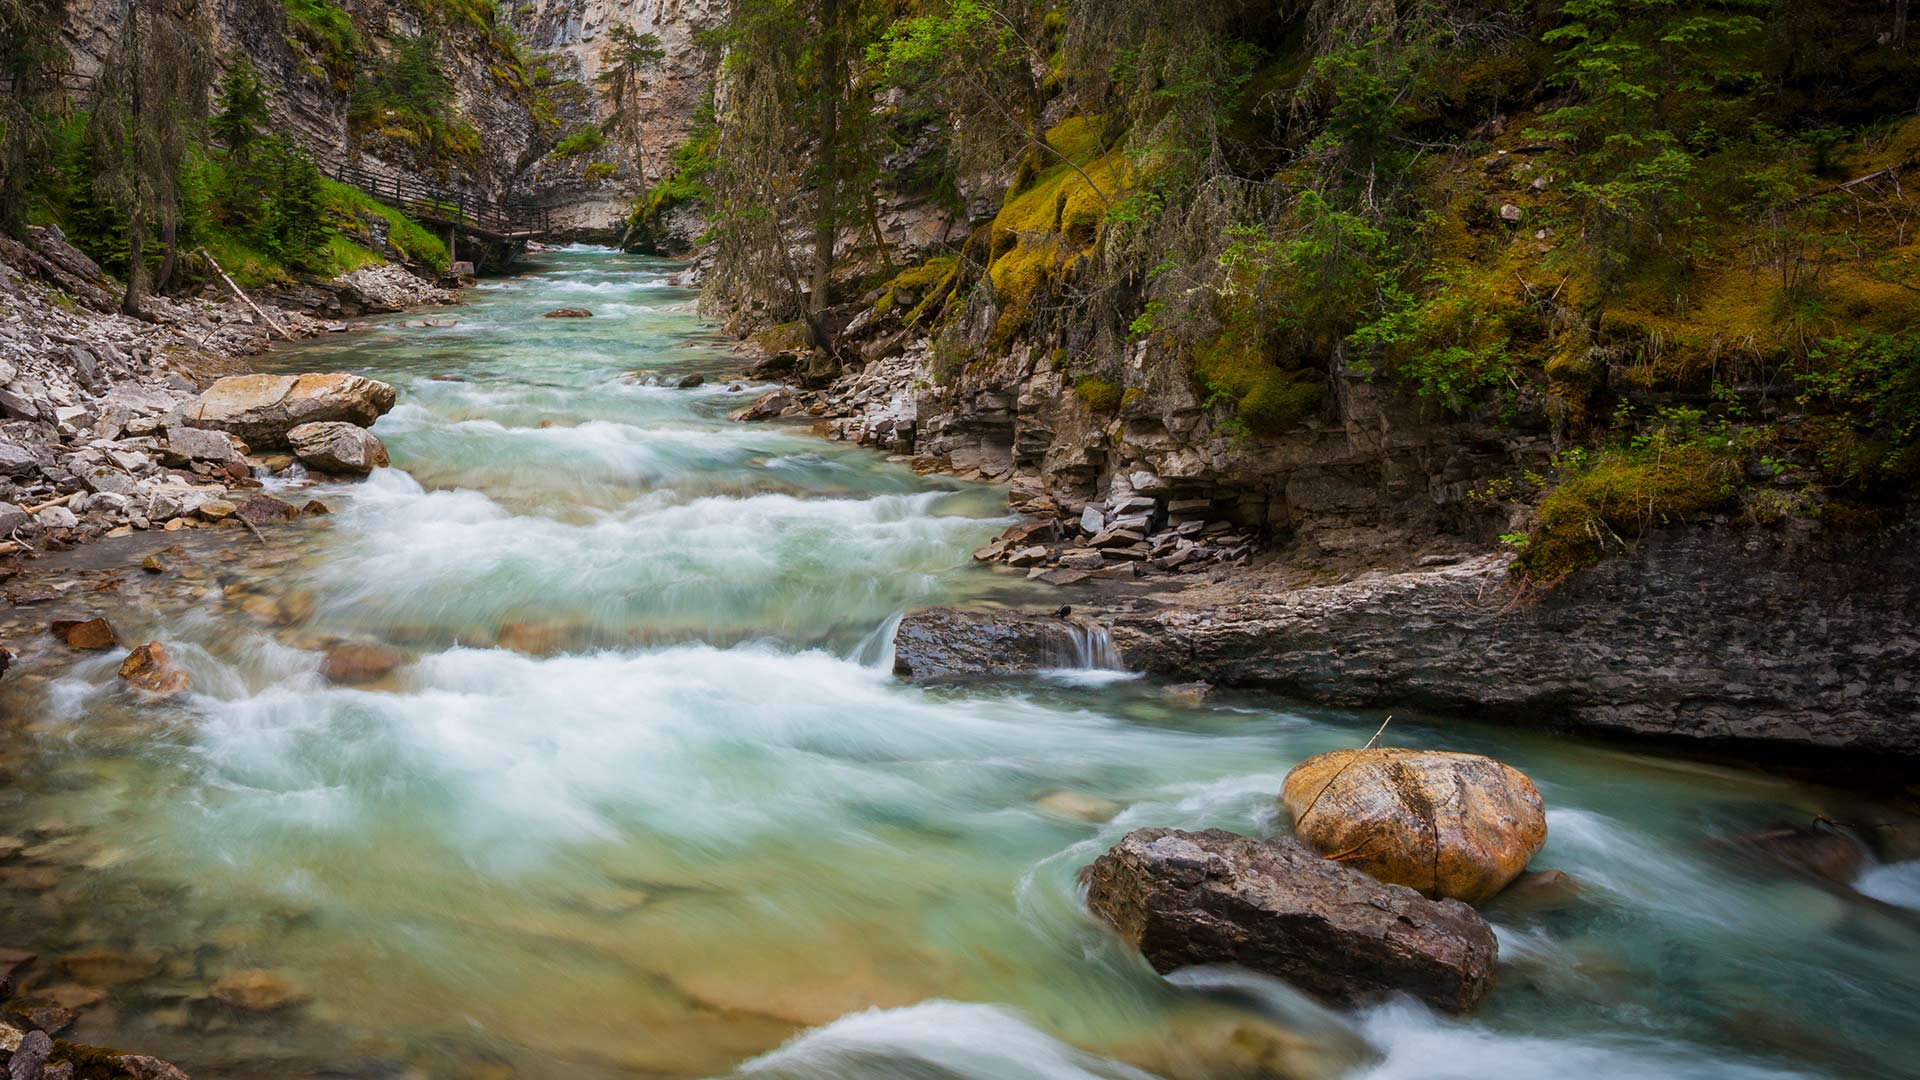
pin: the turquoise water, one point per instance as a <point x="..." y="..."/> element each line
<point x="644" y="799"/>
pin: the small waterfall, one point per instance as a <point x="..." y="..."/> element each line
<point x="876" y="649"/>
<point x="1093" y="648"/>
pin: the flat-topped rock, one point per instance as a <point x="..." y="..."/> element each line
<point x="264" y="409"/>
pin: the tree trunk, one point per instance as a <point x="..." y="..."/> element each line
<point x="879" y="234"/>
<point x="169" y="236"/>
<point x="826" y="216"/>
<point x="137" y="212"/>
<point x="136" y="269"/>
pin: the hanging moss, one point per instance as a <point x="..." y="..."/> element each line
<point x="1051" y="222"/>
<point x="1237" y="368"/>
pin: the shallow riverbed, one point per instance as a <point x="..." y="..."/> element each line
<point x="645" y="800"/>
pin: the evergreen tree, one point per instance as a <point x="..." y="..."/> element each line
<point x="242" y="112"/>
<point x="628" y="59"/>
<point x="149" y="104"/>
<point x="30" y="58"/>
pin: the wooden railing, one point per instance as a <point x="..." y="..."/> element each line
<point x="507" y="219"/>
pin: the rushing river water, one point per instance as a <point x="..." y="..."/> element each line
<point x="646" y="801"/>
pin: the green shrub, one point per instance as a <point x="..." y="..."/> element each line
<point x="1868" y="389"/>
<point x="584" y="141"/>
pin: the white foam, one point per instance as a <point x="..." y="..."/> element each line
<point x="1892" y="883"/>
<point x="935" y="1038"/>
<point x="1416" y="1045"/>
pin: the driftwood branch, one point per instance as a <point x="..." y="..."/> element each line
<point x="215" y="263"/>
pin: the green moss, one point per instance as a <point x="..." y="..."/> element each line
<point x="1051" y="222"/>
<point x="1099" y="394"/>
<point x="598" y="171"/>
<point x="326" y="30"/>
<point x="1621" y="495"/>
<point x="1236" y="368"/>
<point x="789" y="337"/>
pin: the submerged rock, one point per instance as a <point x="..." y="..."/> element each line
<point x="1444" y="824"/>
<point x="337" y="448"/>
<point x="257" y="990"/>
<point x="264" y="409"/>
<point x="568" y="313"/>
<point x="1818" y="850"/>
<point x="1187" y="898"/>
<point x="355" y="664"/>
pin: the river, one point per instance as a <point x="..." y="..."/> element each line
<point x="645" y="800"/>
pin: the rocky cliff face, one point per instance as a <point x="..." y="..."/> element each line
<point x="1715" y="634"/>
<point x="310" y="103"/>
<point x="576" y="31"/>
<point x="1371" y="467"/>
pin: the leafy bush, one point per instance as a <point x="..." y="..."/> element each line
<point x="1869" y="391"/>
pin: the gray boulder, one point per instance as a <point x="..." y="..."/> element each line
<point x="337" y="448"/>
<point x="17" y="460"/>
<point x="1187" y="898"/>
<point x="186" y="445"/>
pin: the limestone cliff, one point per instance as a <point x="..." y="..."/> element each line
<point x="521" y="86"/>
<point x="673" y="89"/>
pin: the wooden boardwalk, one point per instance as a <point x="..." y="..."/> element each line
<point x="507" y="220"/>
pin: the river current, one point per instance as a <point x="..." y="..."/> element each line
<point x="646" y="801"/>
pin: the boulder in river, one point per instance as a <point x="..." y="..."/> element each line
<point x="92" y="634"/>
<point x="337" y="448"/>
<point x="941" y="642"/>
<point x="149" y="668"/>
<point x="568" y="313"/>
<point x="263" y="409"/>
<point x="1444" y="824"/>
<point x="1211" y="897"/>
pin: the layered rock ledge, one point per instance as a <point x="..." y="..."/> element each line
<point x="1718" y="634"/>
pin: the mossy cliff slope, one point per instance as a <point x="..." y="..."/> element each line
<point x="1548" y="275"/>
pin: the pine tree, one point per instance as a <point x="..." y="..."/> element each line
<point x="30" y="58"/>
<point x="149" y="104"/>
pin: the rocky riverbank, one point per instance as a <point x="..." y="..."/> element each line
<point x="103" y="426"/>
<point x="1714" y="632"/>
<point x="1735" y="638"/>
